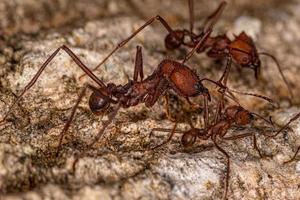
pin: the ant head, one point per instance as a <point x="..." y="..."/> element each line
<point x="244" y="52"/>
<point x="240" y="115"/>
<point x="98" y="102"/>
<point x="174" y="39"/>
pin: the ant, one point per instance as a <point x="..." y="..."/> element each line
<point x="169" y="75"/>
<point x="233" y="115"/>
<point x="241" y="50"/>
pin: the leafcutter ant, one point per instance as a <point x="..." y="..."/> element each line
<point x="169" y="75"/>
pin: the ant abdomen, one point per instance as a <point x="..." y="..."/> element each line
<point x="97" y="103"/>
<point x="188" y="138"/>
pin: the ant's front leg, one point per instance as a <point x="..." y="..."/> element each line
<point x="45" y="64"/>
<point x="67" y="125"/>
<point x="96" y="98"/>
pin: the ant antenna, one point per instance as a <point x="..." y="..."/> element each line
<point x="280" y="71"/>
<point x="261" y="117"/>
<point x="271" y="101"/>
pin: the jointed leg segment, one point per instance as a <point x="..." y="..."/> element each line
<point x="45" y="64"/>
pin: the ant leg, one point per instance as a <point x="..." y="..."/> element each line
<point x="193" y="105"/>
<point x="201" y="41"/>
<point x="243" y="136"/>
<point x="122" y="43"/>
<point x="138" y="67"/>
<point x="264" y="119"/>
<point x="226" y="71"/>
<point x="286" y="125"/>
<point x="228" y="166"/>
<point x="191" y="13"/>
<point x="293" y="158"/>
<point x="44" y="65"/>
<point x="206" y="113"/>
<point x="169" y="138"/>
<point x="162" y="130"/>
<point x="214" y="17"/>
<point x="67" y="125"/>
<point x="218" y="112"/>
<point x="167" y="108"/>
<point x="105" y="124"/>
<point x="255" y="146"/>
<point x="190" y="123"/>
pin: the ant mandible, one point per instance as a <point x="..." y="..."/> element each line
<point x="168" y="75"/>
<point x="241" y="50"/>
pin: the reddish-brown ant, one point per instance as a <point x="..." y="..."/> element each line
<point x="241" y="50"/>
<point x="233" y="115"/>
<point x="168" y="75"/>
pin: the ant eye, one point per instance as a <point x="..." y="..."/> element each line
<point x="197" y="86"/>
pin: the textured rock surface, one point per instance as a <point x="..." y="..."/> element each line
<point x="121" y="166"/>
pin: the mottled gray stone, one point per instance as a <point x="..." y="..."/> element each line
<point x="121" y="166"/>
